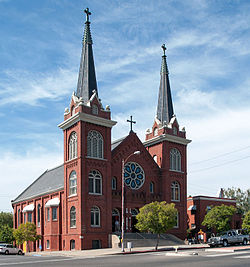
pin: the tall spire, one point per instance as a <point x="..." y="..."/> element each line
<point x="86" y="79"/>
<point x="165" y="109"/>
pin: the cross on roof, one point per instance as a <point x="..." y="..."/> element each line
<point x="164" y="49"/>
<point x="131" y="123"/>
<point x="88" y="13"/>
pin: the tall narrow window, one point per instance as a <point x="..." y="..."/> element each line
<point x="72" y="183"/>
<point x="114" y="182"/>
<point x="18" y="217"/>
<point x="94" y="145"/>
<point x="95" y="217"/>
<point x="54" y="213"/>
<point x="175" y="160"/>
<point x="72" y="217"/>
<point x="177" y="220"/>
<point x="151" y="187"/>
<point x="95" y="182"/>
<point x="72" y="146"/>
<point x="175" y="191"/>
<point x="48" y="219"/>
<point x="94" y="109"/>
<point x="38" y="215"/>
<point x="29" y="217"/>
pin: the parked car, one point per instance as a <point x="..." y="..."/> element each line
<point x="229" y="237"/>
<point x="10" y="249"/>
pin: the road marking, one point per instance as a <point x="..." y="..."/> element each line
<point x="243" y="257"/>
<point x="226" y="254"/>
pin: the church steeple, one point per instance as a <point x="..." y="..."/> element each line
<point x="165" y="109"/>
<point x="87" y="78"/>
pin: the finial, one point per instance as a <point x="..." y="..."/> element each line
<point x="88" y="13"/>
<point x="164" y="49"/>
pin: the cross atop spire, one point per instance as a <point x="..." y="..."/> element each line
<point x="88" y="13"/>
<point x="165" y="109"/>
<point x="87" y="78"/>
<point x="131" y="123"/>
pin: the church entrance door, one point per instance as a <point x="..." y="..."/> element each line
<point x="116" y="225"/>
<point x="134" y="212"/>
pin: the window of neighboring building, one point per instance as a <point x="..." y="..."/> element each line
<point x="72" y="183"/>
<point x="95" y="217"/>
<point x="72" y="146"/>
<point x="175" y="160"/>
<point x="18" y="217"/>
<point x="38" y="215"/>
<point x="177" y="220"/>
<point x="94" y="145"/>
<point x="151" y="187"/>
<point x="114" y="183"/>
<point x="155" y="131"/>
<point x="48" y="215"/>
<point x="72" y="244"/>
<point x="29" y="217"/>
<point x="95" y="182"/>
<point x="47" y="244"/>
<point x="94" y="109"/>
<point x="175" y="191"/>
<point x="54" y="213"/>
<point x="72" y="217"/>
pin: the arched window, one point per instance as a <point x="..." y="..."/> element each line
<point x="95" y="182"/>
<point x="155" y="131"/>
<point x="95" y="217"/>
<point x="38" y="215"/>
<point x="94" y="145"/>
<point x="114" y="183"/>
<point x="72" y="244"/>
<point x="175" y="191"/>
<point x="151" y="187"/>
<point x="72" y="146"/>
<point x="175" y="160"/>
<point x="94" y="109"/>
<point x="155" y="158"/>
<point x="72" y="217"/>
<point x="18" y="217"/>
<point x="175" y="131"/>
<point x="72" y="183"/>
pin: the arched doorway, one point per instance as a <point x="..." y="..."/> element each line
<point x="134" y="212"/>
<point x="116" y="225"/>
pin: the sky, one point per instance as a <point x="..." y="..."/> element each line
<point x="208" y="56"/>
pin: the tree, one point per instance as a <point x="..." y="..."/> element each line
<point x="6" y="218"/>
<point x="242" y="198"/>
<point x="246" y="222"/>
<point x="219" y="218"/>
<point x="6" y="234"/>
<point x="157" y="218"/>
<point x="26" y="232"/>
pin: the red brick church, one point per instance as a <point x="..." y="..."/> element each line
<point x="78" y="205"/>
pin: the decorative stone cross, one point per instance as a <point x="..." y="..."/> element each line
<point x="131" y="123"/>
<point x="88" y="13"/>
<point x="164" y="49"/>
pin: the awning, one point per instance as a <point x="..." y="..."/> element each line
<point x="28" y="208"/>
<point x="193" y="207"/>
<point x="52" y="202"/>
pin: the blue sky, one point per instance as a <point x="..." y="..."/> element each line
<point x="208" y="55"/>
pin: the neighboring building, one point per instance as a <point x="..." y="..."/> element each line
<point x="78" y="205"/>
<point x="197" y="208"/>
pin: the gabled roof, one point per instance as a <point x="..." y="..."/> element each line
<point x="50" y="181"/>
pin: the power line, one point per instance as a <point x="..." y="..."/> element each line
<point x="219" y="165"/>
<point x="219" y="156"/>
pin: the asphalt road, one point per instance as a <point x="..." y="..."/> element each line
<point x="155" y="259"/>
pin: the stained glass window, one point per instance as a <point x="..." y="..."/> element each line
<point x="95" y="145"/>
<point x="175" y="160"/>
<point x="133" y="175"/>
<point x="72" y="146"/>
<point x="175" y="191"/>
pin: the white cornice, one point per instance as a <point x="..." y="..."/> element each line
<point x="167" y="137"/>
<point x="86" y="118"/>
<point x="214" y="199"/>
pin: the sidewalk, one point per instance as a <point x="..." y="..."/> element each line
<point x="113" y="251"/>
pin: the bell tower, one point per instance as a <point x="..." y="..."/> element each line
<point x="167" y="144"/>
<point x="87" y="159"/>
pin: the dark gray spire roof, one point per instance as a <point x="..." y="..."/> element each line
<point x="86" y="79"/>
<point x="165" y="110"/>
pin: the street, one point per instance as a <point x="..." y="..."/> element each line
<point x="182" y="258"/>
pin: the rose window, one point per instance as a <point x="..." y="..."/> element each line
<point x="133" y="175"/>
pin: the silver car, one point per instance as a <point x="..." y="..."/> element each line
<point x="10" y="249"/>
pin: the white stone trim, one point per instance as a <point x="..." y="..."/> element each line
<point x="86" y="118"/>
<point x="54" y="202"/>
<point x="167" y="137"/>
<point x="28" y="208"/>
<point x="215" y="199"/>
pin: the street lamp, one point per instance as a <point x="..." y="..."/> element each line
<point x="123" y="164"/>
